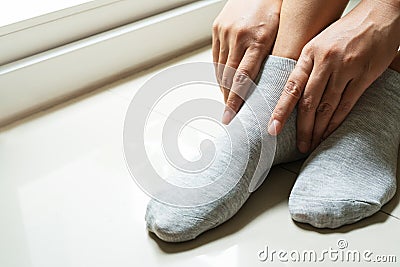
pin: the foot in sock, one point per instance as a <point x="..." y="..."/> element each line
<point x="177" y="224"/>
<point x="351" y="174"/>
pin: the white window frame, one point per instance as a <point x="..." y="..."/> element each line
<point x="36" y="82"/>
<point x="38" y="34"/>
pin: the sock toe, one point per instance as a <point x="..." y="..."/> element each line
<point x="175" y="224"/>
<point x="329" y="213"/>
<point x="352" y="173"/>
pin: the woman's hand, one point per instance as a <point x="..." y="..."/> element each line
<point x="243" y="35"/>
<point x="335" y="68"/>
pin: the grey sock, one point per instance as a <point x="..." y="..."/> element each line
<point x="176" y="224"/>
<point x="352" y="173"/>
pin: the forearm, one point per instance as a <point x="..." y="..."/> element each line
<point x="385" y="13"/>
<point x="381" y="17"/>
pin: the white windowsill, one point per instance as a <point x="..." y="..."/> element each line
<point x="40" y="33"/>
<point x="34" y="83"/>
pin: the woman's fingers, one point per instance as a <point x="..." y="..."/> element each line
<point x="242" y="81"/>
<point x="239" y="30"/>
<point x="349" y="98"/>
<point x="222" y="58"/>
<point x="215" y="44"/>
<point x="235" y="56"/>
<point x="327" y="106"/>
<point x="291" y="94"/>
<point x="308" y="105"/>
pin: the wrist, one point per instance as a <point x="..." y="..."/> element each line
<point x="393" y="4"/>
<point x="384" y="15"/>
<point x="388" y="9"/>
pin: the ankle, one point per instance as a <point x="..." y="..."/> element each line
<point x="286" y="51"/>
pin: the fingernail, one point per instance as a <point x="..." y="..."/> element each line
<point x="303" y="147"/>
<point x="228" y="116"/>
<point x="274" y="127"/>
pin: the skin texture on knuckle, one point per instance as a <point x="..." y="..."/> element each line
<point x="260" y="46"/>
<point x="308" y="51"/>
<point x="215" y="26"/>
<point x="241" y="85"/>
<point x="232" y="62"/>
<point x="224" y="32"/>
<point x="223" y="48"/>
<point x="330" y="53"/>
<point x="292" y="88"/>
<point x="264" y="32"/>
<point x="351" y="58"/>
<point x="252" y="37"/>
<point x="225" y="82"/>
<point x="345" y="107"/>
<point x="279" y="113"/>
<point x="234" y="102"/>
<point x="241" y="77"/>
<point x="306" y="105"/>
<point x="241" y="31"/>
<point x="257" y="36"/>
<point x="325" y="108"/>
